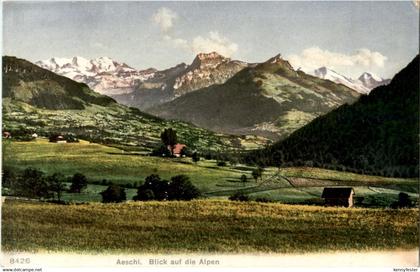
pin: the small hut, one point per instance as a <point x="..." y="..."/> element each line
<point x="339" y="196"/>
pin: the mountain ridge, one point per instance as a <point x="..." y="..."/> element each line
<point x="378" y="134"/>
<point x="363" y="84"/>
<point x="38" y="100"/>
<point x="270" y="99"/>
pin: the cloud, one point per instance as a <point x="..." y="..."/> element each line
<point x="214" y="42"/>
<point x="177" y="42"/>
<point x="315" y="57"/>
<point x="164" y="18"/>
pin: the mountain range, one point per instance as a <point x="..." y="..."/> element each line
<point x="38" y="100"/>
<point x="104" y="75"/>
<point x="377" y="135"/>
<point x="274" y="102"/>
<point x="269" y="99"/>
<point x="364" y="84"/>
<point x="145" y="88"/>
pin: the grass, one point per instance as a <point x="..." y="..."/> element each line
<point x="203" y="226"/>
<point x="100" y="162"/>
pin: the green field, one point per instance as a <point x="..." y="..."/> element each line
<point x="203" y="226"/>
<point x="98" y="162"/>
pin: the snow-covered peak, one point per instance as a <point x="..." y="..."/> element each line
<point x="332" y="75"/>
<point x="81" y="62"/>
<point x="369" y="76"/>
<point x="364" y="84"/>
<point x="102" y="74"/>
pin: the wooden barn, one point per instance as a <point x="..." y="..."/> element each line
<point x="338" y="196"/>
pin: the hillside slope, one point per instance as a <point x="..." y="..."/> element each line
<point x="37" y="100"/>
<point x="270" y="99"/>
<point x="378" y="134"/>
<point x="26" y="82"/>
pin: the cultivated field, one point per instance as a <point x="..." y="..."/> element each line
<point x="98" y="162"/>
<point x="203" y="226"/>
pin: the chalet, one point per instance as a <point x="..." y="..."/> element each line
<point x="177" y="149"/>
<point x="58" y="139"/>
<point x="7" y="135"/>
<point x="339" y="196"/>
<point x="34" y="135"/>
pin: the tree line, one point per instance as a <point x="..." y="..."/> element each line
<point x="34" y="183"/>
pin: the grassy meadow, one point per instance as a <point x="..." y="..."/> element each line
<point x="203" y="226"/>
<point x="98" y="162"/>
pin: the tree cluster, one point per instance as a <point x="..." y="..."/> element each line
<point x="34" y="183"/>
<point x="178" y="188"/>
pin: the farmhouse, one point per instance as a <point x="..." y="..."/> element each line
<point x="339" y="196"/>
<point x="177" y="149"/>
<point x="57" y="139"/>
<point x="7" y="135"/>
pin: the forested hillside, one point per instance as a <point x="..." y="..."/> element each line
<point x="376" y="135"/>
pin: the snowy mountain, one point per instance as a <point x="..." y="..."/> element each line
<point x="103" y="74"/>
<point x="205" y="70"/>
<point x="372" y="81"/>
<point x="363" y="84"/>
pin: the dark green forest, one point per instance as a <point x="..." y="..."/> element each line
<point x="376" y="135"/>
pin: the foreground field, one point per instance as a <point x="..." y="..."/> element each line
<point x="204" y="226"/>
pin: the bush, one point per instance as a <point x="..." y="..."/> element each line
<point x="181" y="188"/>
<point x="263" y="200"/>
<point x="195" y="157"/>
<point x="78" y="183"/>
<point x="221" y="163"/>
<point x="8" y="178"/>
<point x="154" y="183"/>
<point x="32" y="183"/>
<point x="239" y="196"/>
<point x="404" y="201"/>
<point x="244" y="179"/>
<point x="144" y="195"/>
<point x="161" y="151"/>
<point x="113" y="194"/>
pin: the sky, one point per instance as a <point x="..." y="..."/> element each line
<point x="348" y="37"/>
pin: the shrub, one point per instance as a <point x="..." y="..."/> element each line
<point x="239" y="196"/>
<point x="158" y="186"/>
<point x="32" y="183"/>
<point x="263" y="200"/>
<point x="144" y="195"/>
<point x="8" y="178"/>
<point x="78" y="183"/>
<point x="181" y="188"/>
<point x="221" y="163"/>
<point x="113" y="193"/>
<point x="244" y="179"/>
<point x="161" y="151"/>
<point x="404" y="201"/>
<point x="195" y="157"/>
